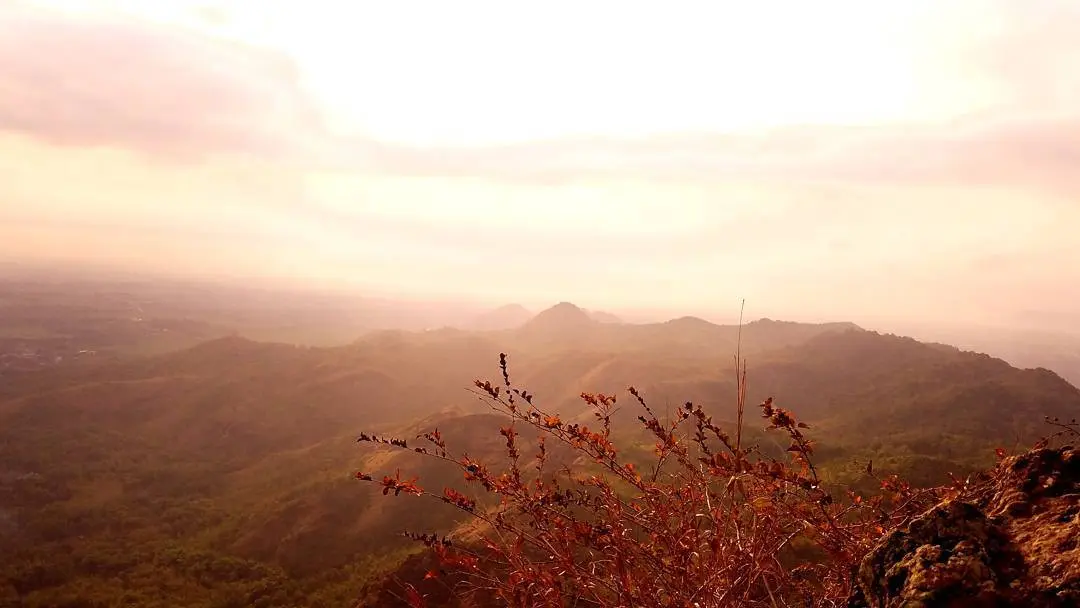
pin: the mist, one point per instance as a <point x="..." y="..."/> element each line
<point x="680" y="180"/>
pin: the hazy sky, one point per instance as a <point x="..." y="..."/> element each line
<point x="821" y="159"/>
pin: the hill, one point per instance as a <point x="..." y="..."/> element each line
<point x="223" y="471"/>
<point x="1057" y="350"/>
<point x="560" y="320"/>
<point x="603" y="317"/>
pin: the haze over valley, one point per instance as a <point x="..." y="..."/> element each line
<point x="199" y="440"/>
<point x="237" y="237"/>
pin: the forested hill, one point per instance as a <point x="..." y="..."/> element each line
<point x="221" y="475"/>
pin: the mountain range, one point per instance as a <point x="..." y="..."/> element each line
<point x="222" y="474"/>
<point x="512" y="316"/>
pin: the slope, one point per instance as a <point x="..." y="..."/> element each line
<point x="238" y="454"/>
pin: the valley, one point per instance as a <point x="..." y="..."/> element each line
<point x="221" y="473"/>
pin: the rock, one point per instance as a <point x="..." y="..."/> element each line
<point x="1010" y="541"/>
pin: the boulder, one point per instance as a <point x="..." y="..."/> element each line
<point x="1012" y="540"/>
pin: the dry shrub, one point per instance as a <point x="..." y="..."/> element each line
<point x="710" y="523"/>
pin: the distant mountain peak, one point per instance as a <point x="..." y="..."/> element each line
<point x="563" y="315"/>
<point x="603" y="317"/>
<point x="688" y="320"/>
<point x="508" y="316"/>
<point x="565" y="308"/>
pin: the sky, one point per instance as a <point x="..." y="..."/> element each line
<point x="829" y="159"/>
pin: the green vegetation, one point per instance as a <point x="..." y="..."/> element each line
<point x="221" y="475"/>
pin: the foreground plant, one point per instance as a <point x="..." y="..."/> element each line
<point x="708" y="523"/>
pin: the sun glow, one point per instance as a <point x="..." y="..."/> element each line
<point x="475" y="73"/>
<point x="671" y="153"/>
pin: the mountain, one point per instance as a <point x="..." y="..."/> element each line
<point x="510" y="316"/>
<point x="515" y="316"/>
<point x="563" y="316"/>
<point x="566" y="327"/>
<point x="222" y="473"/>
<point x="1058" y="350"/>
<point x="603" y="317"/>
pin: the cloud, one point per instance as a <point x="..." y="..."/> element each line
<point x="83" y="81"/>
<point x="167" y="90"/>
<point x="1024" y="153"/>
<point x="1032" y="152"/>
<point x="1032" y="52"/>
<point x="1016" y="63"/>
<point x="976" y="209"/>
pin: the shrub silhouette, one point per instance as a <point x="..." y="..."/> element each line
<point x="709" y="523"/>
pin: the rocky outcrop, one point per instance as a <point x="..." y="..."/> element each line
<point x="1014" y="540"/>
